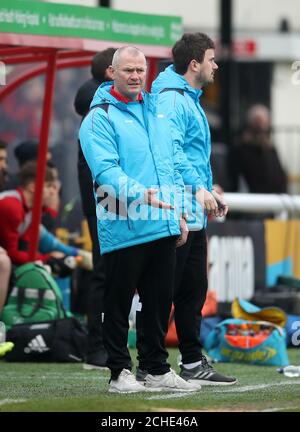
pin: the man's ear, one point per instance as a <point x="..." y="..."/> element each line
<point x="193" y="66"/>
<point x="109" y="73"/>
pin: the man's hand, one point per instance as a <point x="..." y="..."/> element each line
<point x="183" y="233"/>
<point x="151" y="199"/>
<point x="86" y="259"/>
<point x="207" y="202"/>
<point x="222" y="206"/>
<point x="57" y="254"/>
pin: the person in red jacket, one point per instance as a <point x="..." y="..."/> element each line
<point x="16" y="213"/>
<point x="5" y="263"/>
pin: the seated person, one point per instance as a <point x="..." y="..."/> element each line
<point x="5" y="272"/>
<point x="16" y="224"/>
<point x="27" y="151"/>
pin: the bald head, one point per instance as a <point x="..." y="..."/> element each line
<point x="126" y="51"/>
<point x="128" y="70"/>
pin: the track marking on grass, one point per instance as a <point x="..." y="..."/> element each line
<point x="169" y="396"/>
<point x="55" y="375"/>
<point x="254" y="387"/>
<point x="11" y="401"/>
<point x="280" y="408"/>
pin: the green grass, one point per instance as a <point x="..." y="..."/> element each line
<point x="47" y="387"/>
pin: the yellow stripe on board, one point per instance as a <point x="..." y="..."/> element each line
<point x="283" y="241"/>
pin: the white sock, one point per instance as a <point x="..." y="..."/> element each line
<point x="192" y="365"/>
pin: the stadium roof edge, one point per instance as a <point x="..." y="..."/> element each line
<point x="17" y="39"/>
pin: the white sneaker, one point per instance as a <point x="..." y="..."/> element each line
<point x="126" y="383"/>
<point x="170" y="382"/>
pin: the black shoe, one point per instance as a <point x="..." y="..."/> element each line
<point x="96" y="360"/>
<point x="205" y="374"/>
<point x="141" y="375"/>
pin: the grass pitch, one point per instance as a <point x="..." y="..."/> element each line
<point x="52" y="387"/>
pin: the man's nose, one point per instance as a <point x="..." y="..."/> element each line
<point x="134" y="75"/>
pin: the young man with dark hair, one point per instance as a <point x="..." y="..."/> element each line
<point x="100" y="73"/>
<point x="15" y="219"/>
<point x="180" y="88"/>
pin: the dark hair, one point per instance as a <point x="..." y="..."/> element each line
<point x="191" y="46"/>
<point x="100" y="63"/>
<point x="28" y="173"/>
<point x="3" y="144"/>
<point x="26" y="151"/>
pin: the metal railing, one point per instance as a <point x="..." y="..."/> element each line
<point x="283" y="206"/>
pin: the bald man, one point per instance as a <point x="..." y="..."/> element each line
<point x="137" y="175"/>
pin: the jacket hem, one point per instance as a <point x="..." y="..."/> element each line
<point x="137" y="241"/>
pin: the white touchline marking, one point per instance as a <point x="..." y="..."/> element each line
<point x="85" y="375"/>
<point x="278" y="409"/>
<point x="11" y="401"/>
<point x="254" y="387"/>
<point x="170" y="396"/>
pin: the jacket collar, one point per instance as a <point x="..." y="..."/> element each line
<point x="122" y="98"/>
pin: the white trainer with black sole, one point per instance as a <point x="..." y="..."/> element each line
<point x="126" y="383"/>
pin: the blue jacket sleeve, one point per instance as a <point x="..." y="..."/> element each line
<point x="180" y="205"/>
<point x="99" y="145"/>
<point x="177" y="121"/>
<point x="49" y="243"/>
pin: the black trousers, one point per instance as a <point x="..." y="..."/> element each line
<point x="149" y="269"/>
<point x="95" y="301"/>
<point x="190" y="294"/>
<point x="190" y="290"/>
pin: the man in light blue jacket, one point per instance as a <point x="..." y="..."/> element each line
<point x="180" y="89"/>
<point x="137" y="171"/>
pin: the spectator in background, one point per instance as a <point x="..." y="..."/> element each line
<point x="16" y="227"/>
<point x="27" y="151"/>
<point x="254" y="158"/>
<point x="24" y="151"/>
<point x="3" y="164"/>
<point x="96" y="354"/>
<point x="100" y="73"/>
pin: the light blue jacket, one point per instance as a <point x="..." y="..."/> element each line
<point x="129" y="149"/>
<point x="189" y="127"/>
<point x="49" y="243"/>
